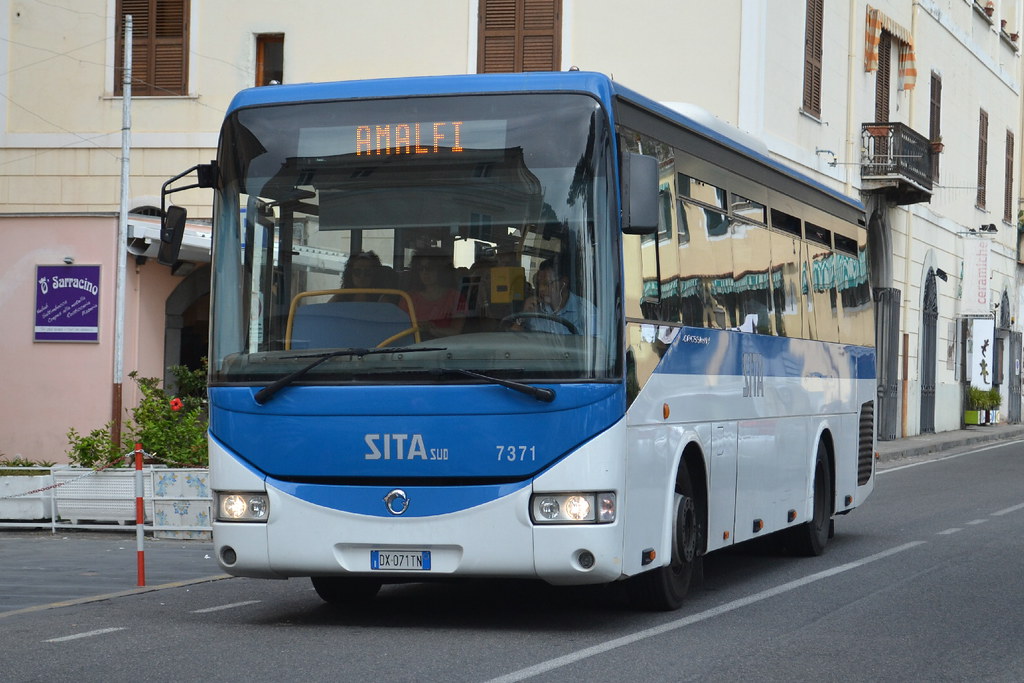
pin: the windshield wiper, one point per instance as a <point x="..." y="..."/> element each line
<point x="539" y="393"/>
<point x="267" y="392"/>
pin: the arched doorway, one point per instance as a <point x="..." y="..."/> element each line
<point x="929" y="342"/>
<point x="187" y="322"/>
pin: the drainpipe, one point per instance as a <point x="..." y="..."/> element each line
<point x="852" y="124"/>
<point x="908" y="257"/>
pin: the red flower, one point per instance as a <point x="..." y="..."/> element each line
<point x="176" y="404"/>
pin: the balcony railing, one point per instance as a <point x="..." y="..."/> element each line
<point x="896" y="161"/>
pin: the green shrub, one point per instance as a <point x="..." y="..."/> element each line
<point x="978" y="398"/>
<point x="995" y="399"/>
<point x="96" y="449"/>
<point x="43" y="466"/>
<point x="171" y="429"/>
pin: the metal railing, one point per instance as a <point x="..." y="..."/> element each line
<point x="176" y="501"/>
<point x="896" y="150"/>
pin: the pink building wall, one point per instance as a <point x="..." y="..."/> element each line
<point x="47" y="388"/>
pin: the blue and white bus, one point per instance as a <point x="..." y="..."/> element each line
<point x="596" y="337"/>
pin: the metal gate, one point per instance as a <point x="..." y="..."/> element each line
<point x="1013" y="410"/>
<point x="887" y="347"/>
<point x="929" y="337"/>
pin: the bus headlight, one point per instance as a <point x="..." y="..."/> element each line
<point x="573" y="508"/>
<point x="242" y="507"/>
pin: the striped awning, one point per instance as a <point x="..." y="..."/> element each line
<point x="876" y="22"/>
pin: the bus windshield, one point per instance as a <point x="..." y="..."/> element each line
<point x="476" y="230"/>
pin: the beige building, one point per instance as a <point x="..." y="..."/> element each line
<point x="803" y="77"/>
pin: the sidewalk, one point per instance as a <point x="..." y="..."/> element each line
<point x="929" y="444"/>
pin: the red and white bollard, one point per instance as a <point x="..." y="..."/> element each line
<point x="140" y="516"/>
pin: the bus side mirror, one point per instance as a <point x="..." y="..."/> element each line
<point x="172" y="218"/>
<point x="639" y="176"/>
<point x="172" y="230"/>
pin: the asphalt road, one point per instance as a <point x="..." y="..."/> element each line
<point x="921" y="583"/>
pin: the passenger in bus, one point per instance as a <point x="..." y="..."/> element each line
<point x="363" y="271"/>
<point x="433" y="294"/>
<point x="555" y="298"/>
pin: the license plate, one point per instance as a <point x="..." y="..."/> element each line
<point x="400" y="560"/>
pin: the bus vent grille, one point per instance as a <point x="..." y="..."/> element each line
<point x="865" y="449"/>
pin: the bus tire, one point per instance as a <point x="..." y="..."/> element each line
<point x="810" y="538"/>
<point x="345" y="591"/>
<point x="663" y="589"/>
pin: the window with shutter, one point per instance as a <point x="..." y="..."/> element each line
<point x="1008" y="181"/>
<point x="159" y="46"/>
<point x="982" y="158"/>
<point x="883" y="79"/>
<point x="519" y="35"/>
<point x="935" y="121"/>
<point x="813" y="46"/>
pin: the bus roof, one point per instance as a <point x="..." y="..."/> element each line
<point x="597" y="84"/>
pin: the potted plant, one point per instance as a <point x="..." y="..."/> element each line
<point x="976" y="412"/>
<point x="990" y="8"/>
<point x="25" y="489"/>
<point x="172" y="431"/>
<point x="995" y="399"/>
<point x="937" y="145"/>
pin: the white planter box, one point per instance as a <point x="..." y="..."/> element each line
<point x="181" y="498"/>
<point x="32" y="507"/>
<point x="106" y="496"/>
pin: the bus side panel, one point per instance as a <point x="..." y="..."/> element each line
<point x="653" y="454"/>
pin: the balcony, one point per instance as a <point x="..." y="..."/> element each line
<point x="896" y="162"/>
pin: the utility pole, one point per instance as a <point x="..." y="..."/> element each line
<point x="122" y="232"/>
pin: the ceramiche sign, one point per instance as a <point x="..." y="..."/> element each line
<point x="974" y="299"/>
<point x="67" y="304"/>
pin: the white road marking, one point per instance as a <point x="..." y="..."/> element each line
<point x="947" y="532"/>
<point x="1008" y="510"/>
<point x="558" y="662"/>
<point x="222" y="607"/>
<point x="976" y="522"/>
<point x="87" y="634"/>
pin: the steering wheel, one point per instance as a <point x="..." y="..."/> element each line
<point x="510" y="320"/>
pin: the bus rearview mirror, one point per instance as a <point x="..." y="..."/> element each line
<point x="172" y="230"/>
<point x="639" y="176"/>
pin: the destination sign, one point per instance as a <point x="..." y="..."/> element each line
<point x="409" y="138"/>
<point x="388" y="138"/>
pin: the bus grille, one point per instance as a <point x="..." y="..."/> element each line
<point x="865" y="449"/>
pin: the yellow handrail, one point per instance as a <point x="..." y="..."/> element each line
<point x="414" y="328"/>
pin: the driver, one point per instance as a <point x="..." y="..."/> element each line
<point x="555" y="299"/>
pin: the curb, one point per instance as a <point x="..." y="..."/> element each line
<point x="937" y="444"/>
<point x="117" y="594"/>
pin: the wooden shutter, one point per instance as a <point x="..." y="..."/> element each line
<point x="982" y="157"/>
<point x="935" y="121"/>
<point x="1008" y="181"/>
<point x="159" y="46"/>
<point x="813" y="46"/>
<point x="883" y="78"/>
<point x="519" y="35"/>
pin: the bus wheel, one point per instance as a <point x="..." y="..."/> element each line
<point x="811" y="537"/>
<point x="663" y="589"/>
<point x="345" y="591"/>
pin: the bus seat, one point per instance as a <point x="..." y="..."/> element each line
<point x="361" y="324"/>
